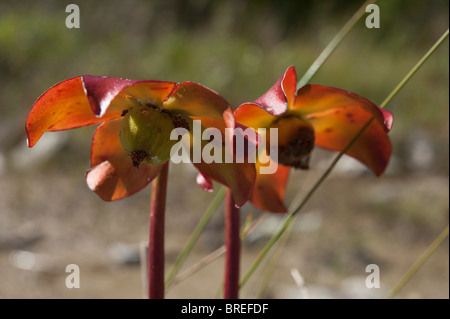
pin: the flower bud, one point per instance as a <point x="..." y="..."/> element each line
<point x="145" y="134"/>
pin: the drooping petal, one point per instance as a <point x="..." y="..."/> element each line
<point x="268" y="193"/>
<point x="199" y="102"/>
<point x="204" y="182"/>
<point x="337" y="116"/>
<point x="217" y="159"/>
<point x="239" y="177"/>
<point x="88" y="100"/>
<point x="113" y="175"/>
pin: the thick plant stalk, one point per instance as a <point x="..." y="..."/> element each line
<point x="156" y="235"/>
<point x="233" y="248"/>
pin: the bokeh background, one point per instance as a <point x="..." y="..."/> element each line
<point x="49" y="218"/>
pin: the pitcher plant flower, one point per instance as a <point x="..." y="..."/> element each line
<point x="131" y="144"/>
<point x="315" y="115"/>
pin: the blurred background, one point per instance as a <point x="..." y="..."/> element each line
<point x="49" y="218"/>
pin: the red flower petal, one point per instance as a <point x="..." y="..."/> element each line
<point x="268" y="193"/>
<point x="113" y="175"/>
<point x="101" y="90"/>
<point x="289" y="84"/>
<point x="337" y="116"/>
<point x="275" y="100"/>
<point x="264" y="110"/>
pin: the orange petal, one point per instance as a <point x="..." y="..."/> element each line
<point x="113" y="175"/>
<point x="318" y="98"/>
<point x="337" y="116"/>
<point x="252" y="115"/>
<point x="268" y="193"/>
<point x="197" y="101"/>
<point x="63" y="106"/>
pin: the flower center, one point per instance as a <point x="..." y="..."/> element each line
<point x="145" y="134"/>
<point x="295" y="141"/>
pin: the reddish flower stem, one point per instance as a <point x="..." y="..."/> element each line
<point x="233" y="248"/>
<point x="156" y="235"/>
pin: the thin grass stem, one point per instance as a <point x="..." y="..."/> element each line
<point x="333" y="44"/>
<point x="419" y="262"/>
<point x="217" y="200"/>
<point x="248" y="229"/>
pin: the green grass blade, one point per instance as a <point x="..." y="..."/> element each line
<point x="272" y="265"/>
<point x="333" y="44"/>
<point x="319" y="182"/>
<point x="217" y="200"/>
<point x="416" y="266"/>
<point x="247" y="229"/>
<point x="414" y="69"/>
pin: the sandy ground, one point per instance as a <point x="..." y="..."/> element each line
<point x="50" y="219"/>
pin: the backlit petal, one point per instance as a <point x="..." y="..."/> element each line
<point x="268" y="193"/>
<point x="197" y="101"/>
<point x="252" y="115"/>
<point x="337" y="116"/>
<point x="312" y="99"/>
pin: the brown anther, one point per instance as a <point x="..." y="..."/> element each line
<point x="297" y="152"/>
<point x="137" y="157"/>
<point x="295" y="142"/>
<point x="179" y="121"/>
